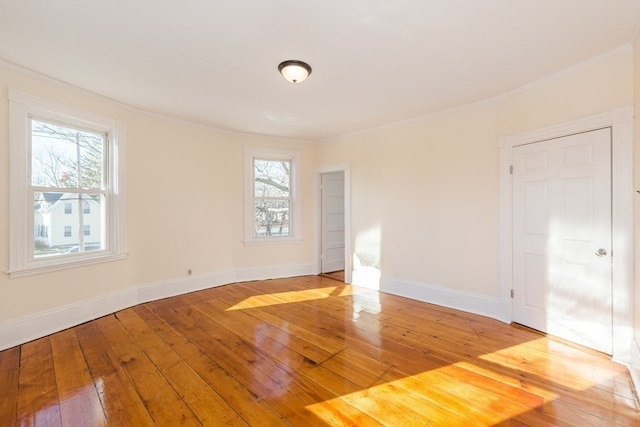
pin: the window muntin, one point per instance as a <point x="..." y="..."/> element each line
<point x="67" y="165"/>
<point x="272" y="202"/>
<point x="83" y="175"/>
<point x="272" y="197"/>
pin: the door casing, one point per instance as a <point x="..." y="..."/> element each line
<point x="332" y="212"/>
<point x="346" y="169"/>
<point x="621" y="123"/>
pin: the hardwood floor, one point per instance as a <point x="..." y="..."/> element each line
<point x="308" y="351"/>
<point x="337" y="275"/>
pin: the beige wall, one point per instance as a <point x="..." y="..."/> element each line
<point x="601" y="85"/>
<point x="185" y="206"/>
<point x="425" y="193"/>
<point x="418" y="190"/>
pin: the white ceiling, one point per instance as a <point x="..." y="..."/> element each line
<point x="374" y="61"/>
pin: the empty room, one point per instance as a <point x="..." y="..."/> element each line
<point x="356" y="213"/>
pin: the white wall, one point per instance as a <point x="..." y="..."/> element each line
<point x="185" y="211"/>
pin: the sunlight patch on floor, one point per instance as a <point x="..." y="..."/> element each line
<point x="283" y="298"/>
<point x="442" y="396"/>
<point x="576" y="368"/>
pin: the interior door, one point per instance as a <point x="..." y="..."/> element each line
<point x="332" y="221"/>
<point x="562" y="237"/>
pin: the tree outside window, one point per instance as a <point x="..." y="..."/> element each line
<point x="272" y="197"/>
<point x="65" y="175"/>
<point x="66" y="168"/>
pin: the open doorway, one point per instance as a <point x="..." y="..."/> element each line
<point x="334" y="224"/>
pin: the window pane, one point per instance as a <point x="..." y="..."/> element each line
<point x="58" y="233"/>
<point x="272" y="218"/>
<point x="64" y="157"/>
<point x="272" y="178"/>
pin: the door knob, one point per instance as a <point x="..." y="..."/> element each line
<point x="601" y="252"/>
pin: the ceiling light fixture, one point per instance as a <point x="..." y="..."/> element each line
<point x="294" y="71"/>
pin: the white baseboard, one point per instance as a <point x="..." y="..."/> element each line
<point x="272" y="272"/>
<point x="170" y="288"/>
<point x="25" y="329"/>
<point x="19" y="331"/>
<point x="495" y="308"/>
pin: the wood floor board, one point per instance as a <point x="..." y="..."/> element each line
<point x="308" y="390"/>
<point x="38" y="402"/>
<point x="159" y="397"/>
<point x="248" y="366"/>
<point x="9" y="377"/>
<point x="120" y="401"/>
<point x="260" y="332"/>
<point x="342" y="329"/>
<point x="79" y="399"/>
<point x="407" y="333"/>
<point x="247" y="404"/>
<point x="208" y="406"/>
<point x="308" y="351"/>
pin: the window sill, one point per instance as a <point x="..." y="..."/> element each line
<point x="49" y="266"/>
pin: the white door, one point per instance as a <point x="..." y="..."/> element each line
<point x="332" y="221"/>
<point x="562" y="237"/>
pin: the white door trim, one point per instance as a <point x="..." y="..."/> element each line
<point x="346" y="169"/>
<point x="621" y="123"/>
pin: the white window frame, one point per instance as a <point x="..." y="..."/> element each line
<point x="22" y="107"/>
<point x="251" y="153"/>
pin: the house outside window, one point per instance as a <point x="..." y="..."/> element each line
<point x="272" y="202"/>
<point x="74" y="158"/>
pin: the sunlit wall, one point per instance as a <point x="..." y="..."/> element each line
<point x="430" y="187"/>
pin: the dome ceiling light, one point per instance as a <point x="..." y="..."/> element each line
<point x="294" y="71"/>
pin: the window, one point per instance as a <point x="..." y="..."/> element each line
<point x="71" y="160"/>
<point x="271" y="196"/>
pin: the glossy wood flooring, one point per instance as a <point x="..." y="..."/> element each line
<point x="337" y="275"/>
<point x="307" y="351"/>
